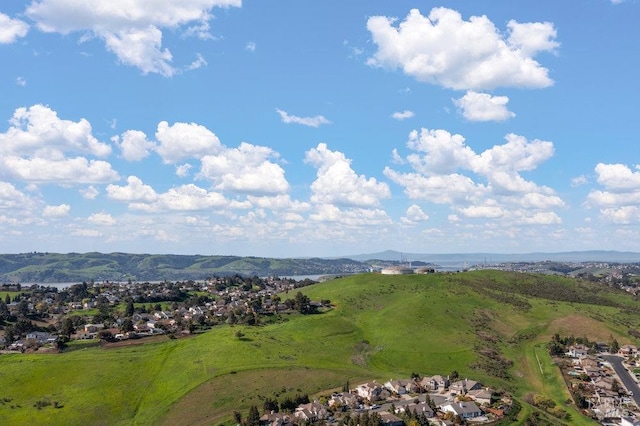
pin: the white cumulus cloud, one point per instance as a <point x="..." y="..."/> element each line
<point x="40" y="147"/>
<point x="338" y="183"/>
<point x="487" y="185"/>
<point x="135" y="190"/>
<point x="38" y="131"/>
<point x="414" y="215"/>
<point x="11" y="29"/>
<point x="444" y="49"/>
<point x="476" y="106"/>
<point x="619" y="199"/>
<point x="185" y="140"/>
<point x="89" y="193"/>
<point x="103" y="219"/>
<point x="76" y="170"/>
<point x="56" y="211"/>
<point x="247" y="169"/>
<point x="131" y="29"/>
<point x="134" y="145"/>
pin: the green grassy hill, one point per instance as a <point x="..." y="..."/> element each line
<point x="487" y="325"/>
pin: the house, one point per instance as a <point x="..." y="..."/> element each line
<point x="399" y="387"/>
<point x="343" y="400"/>
<point x="461" y="387"/>
<point x="435" y="383"/>
<point x="465" y="410"/>
<point x="420" y="409"/>
<point x="372" y="391"/>
<point x="481" y="396"/>
<point x="311" y="412"/>
<point x="41" y="337"/>
<point x="577" y="351"/>
<point x="389" y="419"/>
<point x="276" y="419"/>
<point x="628" y="350"/>
<point x="93" y="328"/>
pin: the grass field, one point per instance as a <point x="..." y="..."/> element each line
<point x="382" y="327"/>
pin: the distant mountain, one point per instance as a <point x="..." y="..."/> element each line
<point x="479" y="258"/>
<point x="78" y="267"/>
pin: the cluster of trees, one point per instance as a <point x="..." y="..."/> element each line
<point x="363" y="419"/>
<point x="558" y="345"/>
<point x="547" y="405"/>
<point x="287" y="405"/>
<point x="301" y="303"/>
<point x="413" y="418"/>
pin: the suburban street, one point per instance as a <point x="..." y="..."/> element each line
<point x="626" y="377"/>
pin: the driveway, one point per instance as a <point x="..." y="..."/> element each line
<point x="625" y="376"/>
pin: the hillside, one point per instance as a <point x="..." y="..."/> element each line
<point x="487" y="325"/>
<point x="78" y="267"/>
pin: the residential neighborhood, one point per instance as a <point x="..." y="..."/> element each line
<point x="39" y="318"/>
<point x="434" y="400"/>
<point x="603" y="379"/>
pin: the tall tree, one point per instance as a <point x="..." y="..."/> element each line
<point x="129" y="309"/>
<point x="253" y="419"/>
<point x="67" y="328"/>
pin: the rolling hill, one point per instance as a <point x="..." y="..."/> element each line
<point x="77" y="267"/>
<point x="487" y="325"/>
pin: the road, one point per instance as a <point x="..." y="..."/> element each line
<point x="625" y="376"/>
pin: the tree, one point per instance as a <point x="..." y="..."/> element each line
<point x="270" y="405"/>
<point x="454" y="375"/>
<point x="127" y="325"/>
<point x="237" y="417"/>
<point x="615" y="386"/>
<point x="614" y="346"/>
<point x="9" y="333"/>
<point x="4" y="312"/>
<point x="23" y="308"/>
<point x="128" y="311"/>
<point x="253" y="419"/>
<point x="303" y="304"/>
<point x="7" y="299"/>
<point x="105" y="335"/>
<point x="67" y="328"/>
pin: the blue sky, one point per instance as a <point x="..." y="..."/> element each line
<point x="320" y="128"/>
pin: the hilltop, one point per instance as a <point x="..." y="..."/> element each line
<point x="489" y="325"/>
